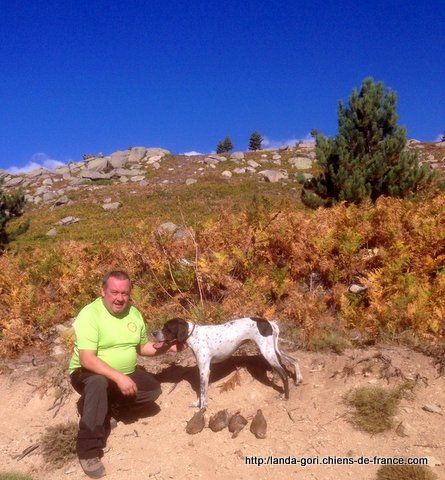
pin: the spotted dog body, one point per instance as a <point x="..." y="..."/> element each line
<point x="215" y="343"/>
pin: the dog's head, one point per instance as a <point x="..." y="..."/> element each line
<point x="175" y="330"/>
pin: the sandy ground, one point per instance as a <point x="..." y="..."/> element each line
<point x="311" y="424"/>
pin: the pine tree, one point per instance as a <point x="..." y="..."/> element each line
<point x="366" y="159"/>
<point x="11" y="206"/>
<point x="255" y="141"/>
<point x="224" y="146"/>
<point x="228" y="145"/>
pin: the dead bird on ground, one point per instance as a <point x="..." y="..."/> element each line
<point x="196" y="423"/>
<point x="259" y="425"/>
<point x="236" y="424"/>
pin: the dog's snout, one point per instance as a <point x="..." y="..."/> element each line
<point x="158" y="336"/>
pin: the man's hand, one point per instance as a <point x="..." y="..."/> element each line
<point x="149" y="349"/>
<point x="89" y="361"/>
<point x="177" y="347"/>
<point x="126" y="386"/>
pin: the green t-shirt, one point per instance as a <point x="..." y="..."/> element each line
<point x="113" y="338"/>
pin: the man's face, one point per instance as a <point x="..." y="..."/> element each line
<point x="116" y="295"/>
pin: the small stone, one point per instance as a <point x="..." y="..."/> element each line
<point x="273" y="176"/>
<point x="404" y="430"/>
<point x="190" y="181"/>
<point x="52" y="232"/>
<point x="167" y="227"/>
<point x="137" y="178"/>
<point x="354" y="288"/>
<point x="61" y="201"/>
<point x="48" y="196"/>
<point x="13" y="181"/>
<point x="154" y="159"/>
<point x="111" y="206"/>
<point x="432" y="408"/>
<point x="253" y="164"/>
<point x="227" y="174"/>
<point x="68" y="221"/>
<point x="210" y="161"/>
<point x="237" y="156"/>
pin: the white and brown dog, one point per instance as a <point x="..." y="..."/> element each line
<point x="215" y="343"/>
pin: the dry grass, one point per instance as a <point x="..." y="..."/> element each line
<point x="329" y="340"/>
<point x="14" y="476"/>
<point x="405" y="472"/>
<point x="374" y="407"/>
<point x="58" y="443"/>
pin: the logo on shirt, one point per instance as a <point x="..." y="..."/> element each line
<point x="131" y="326"/>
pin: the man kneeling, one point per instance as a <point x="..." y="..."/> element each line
<point x="109" y="333"/>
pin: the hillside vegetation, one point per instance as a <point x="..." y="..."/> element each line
<point x="243" y="249"/>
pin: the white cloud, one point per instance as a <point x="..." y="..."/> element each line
<point x="268" y="143"/>
<point x="189" y="154"/>
<point x="38" y="160"/>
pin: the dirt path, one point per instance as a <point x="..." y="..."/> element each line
<point x="312" y="423"/>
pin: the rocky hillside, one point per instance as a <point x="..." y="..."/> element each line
<point x="143" y="167"/>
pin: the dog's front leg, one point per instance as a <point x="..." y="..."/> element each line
<point x="204" y="374"/>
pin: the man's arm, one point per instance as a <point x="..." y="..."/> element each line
<point x="89" y="360"/>
<point x="148" y="350"/>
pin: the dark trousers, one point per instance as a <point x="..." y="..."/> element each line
<point x="99" y="396"/>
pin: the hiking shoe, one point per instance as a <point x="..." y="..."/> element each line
<point x="92" y="467"/>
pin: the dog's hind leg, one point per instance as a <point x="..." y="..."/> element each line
<point x="268" y="351"/>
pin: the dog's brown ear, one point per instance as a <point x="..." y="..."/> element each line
<point x="183" y="330"/>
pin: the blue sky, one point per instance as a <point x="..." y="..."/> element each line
<point x="88" y="76"/>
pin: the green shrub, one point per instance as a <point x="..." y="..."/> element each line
<point x="11" y="206"/>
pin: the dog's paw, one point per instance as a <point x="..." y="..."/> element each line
<point x="197" y="404"/>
